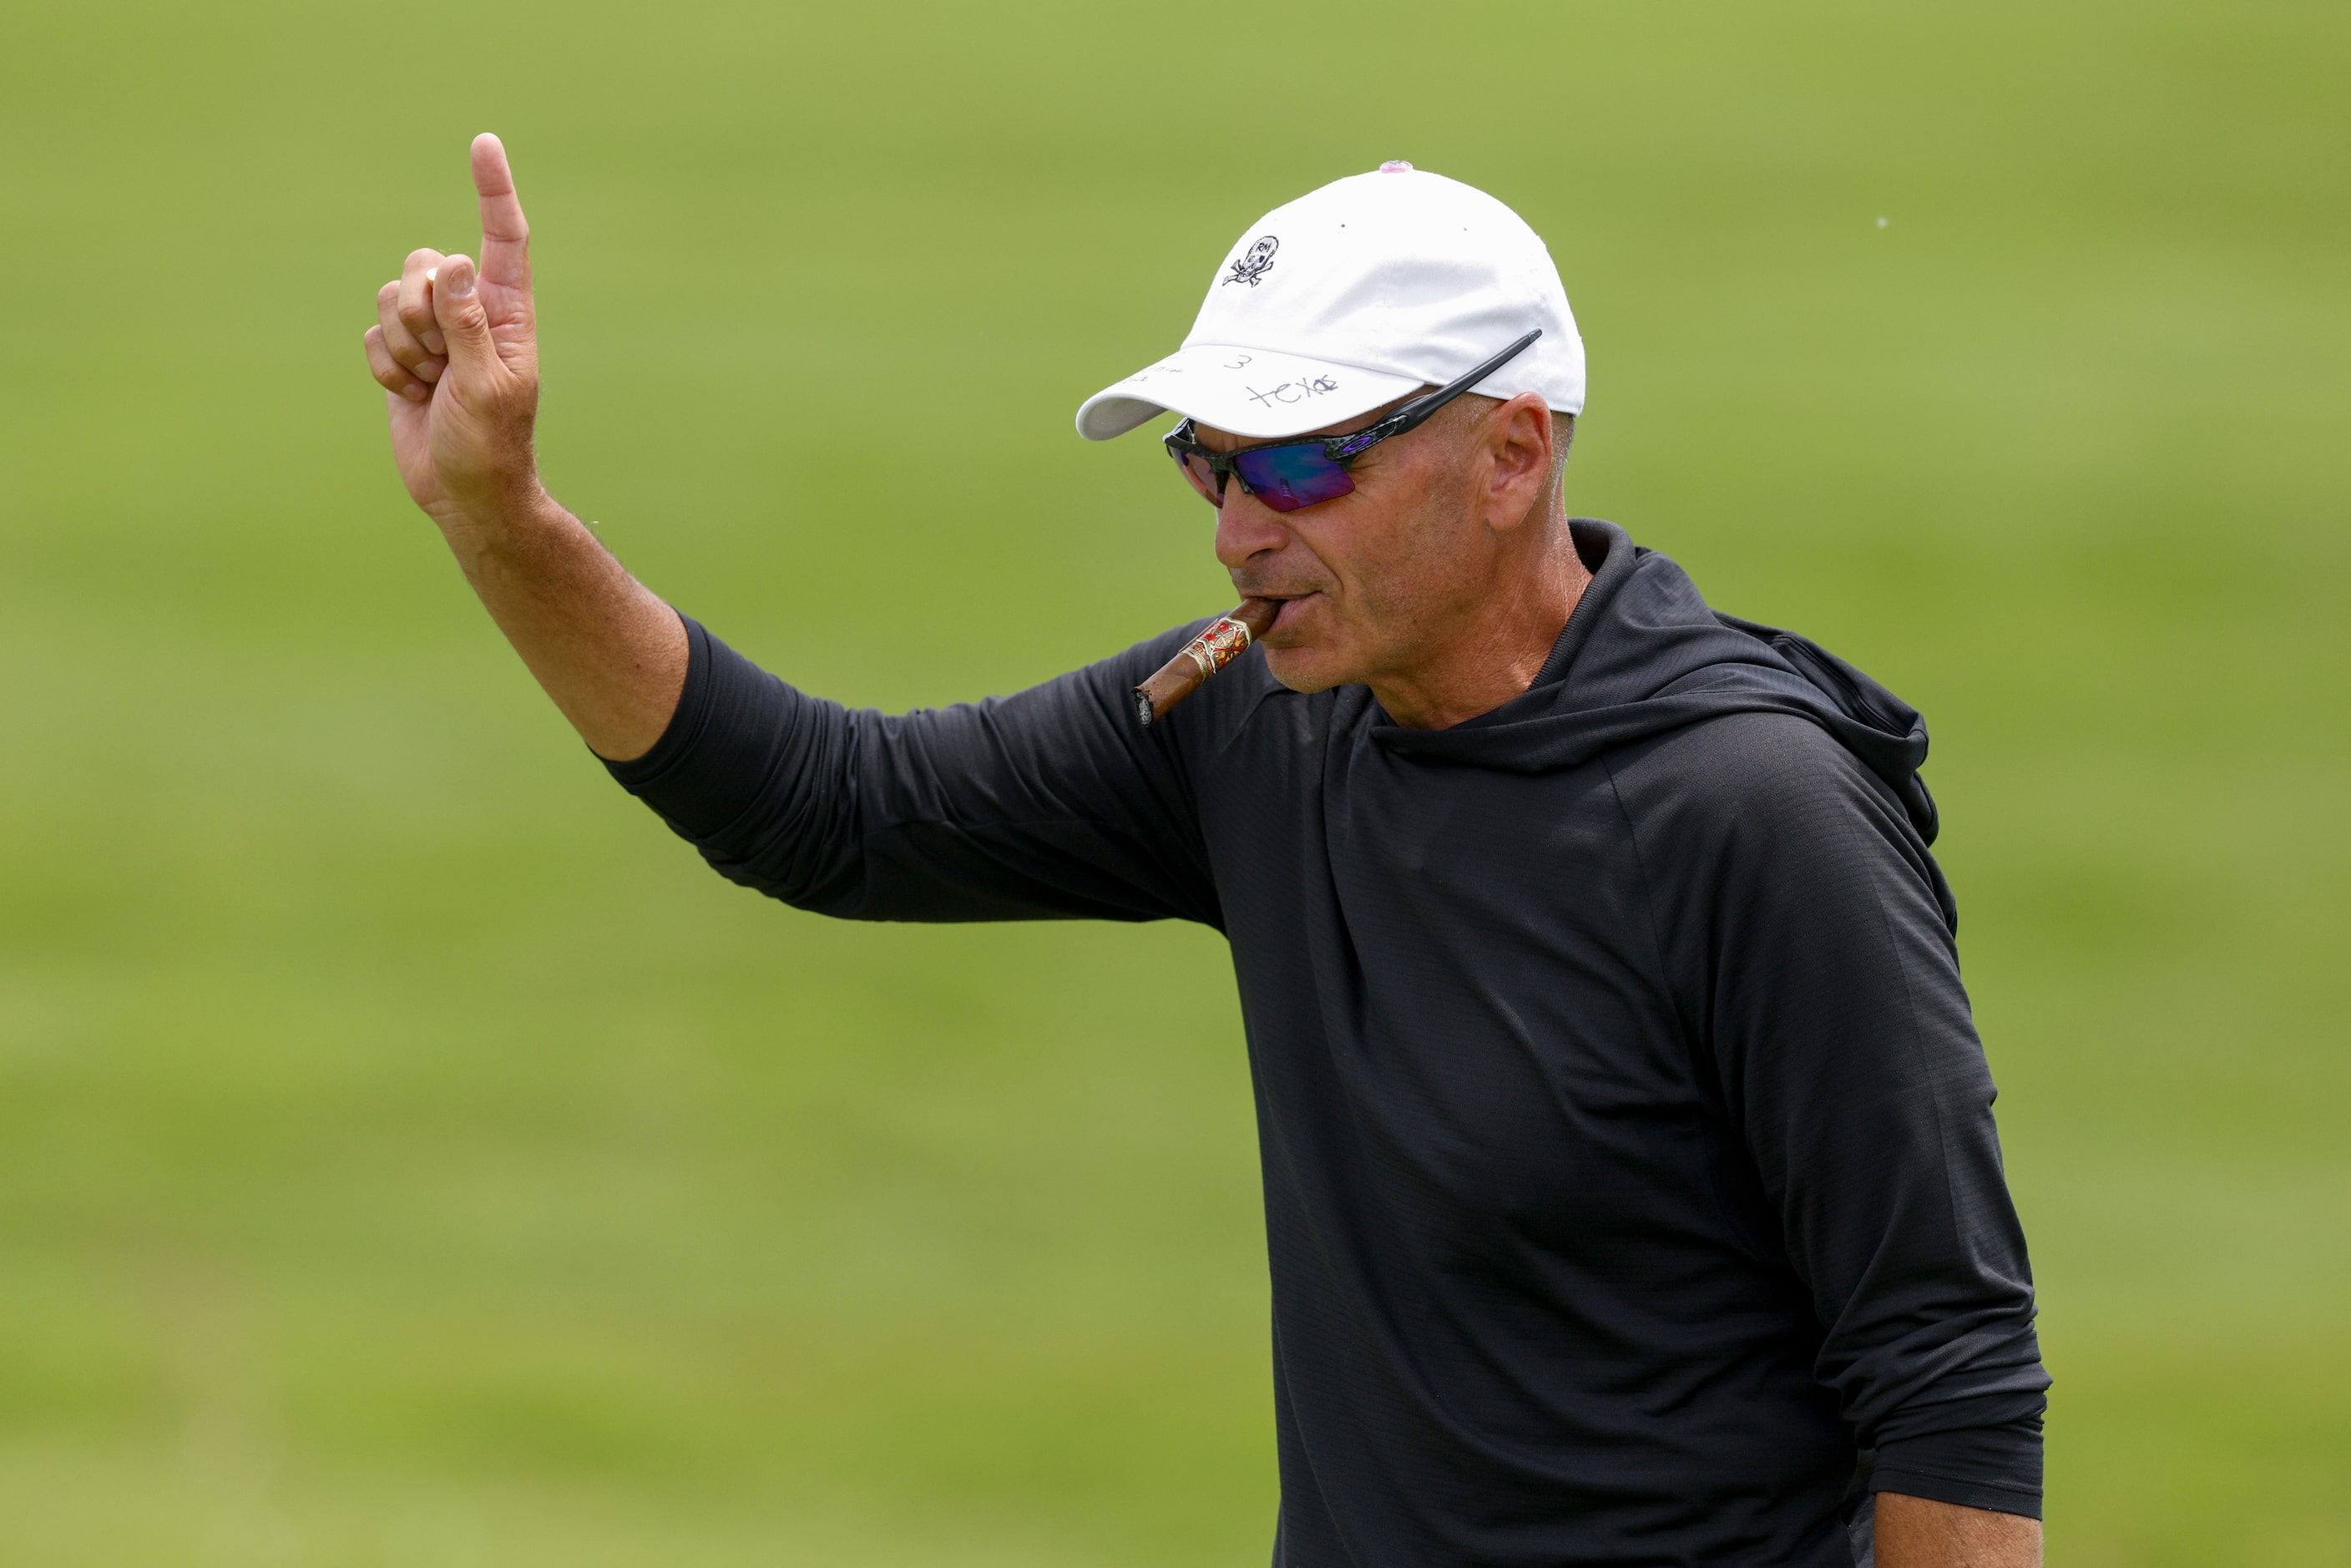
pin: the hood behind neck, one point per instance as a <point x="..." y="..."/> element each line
<point x="1642" y="654"/>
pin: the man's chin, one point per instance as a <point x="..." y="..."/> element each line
<point x="1304" y="669"/>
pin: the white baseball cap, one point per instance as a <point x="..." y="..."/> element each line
<point x="1353" y="296"/>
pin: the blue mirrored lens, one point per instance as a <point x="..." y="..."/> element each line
<point x="1288" y="478"/>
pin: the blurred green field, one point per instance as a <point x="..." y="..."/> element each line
<point x="409" y="1157"/>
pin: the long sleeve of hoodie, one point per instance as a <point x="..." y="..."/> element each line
<point x="1051" y="803"/>
<point x="1812" y="965"/>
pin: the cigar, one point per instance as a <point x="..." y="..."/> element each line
<point x="1227" y="637"/>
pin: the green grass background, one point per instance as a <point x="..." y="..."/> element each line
<point x="410" y="1155"/>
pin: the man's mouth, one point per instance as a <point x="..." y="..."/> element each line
<point x="1292" y="608"/>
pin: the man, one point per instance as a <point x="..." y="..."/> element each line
<point x="1632" y="1191"/>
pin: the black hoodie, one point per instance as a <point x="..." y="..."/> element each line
<point x="1630" y="1175"/>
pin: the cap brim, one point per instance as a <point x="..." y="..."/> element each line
<point x="1248" y="393"/>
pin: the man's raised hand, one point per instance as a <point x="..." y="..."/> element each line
<point x="456" y="348"/>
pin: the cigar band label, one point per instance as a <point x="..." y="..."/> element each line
<point x="1219" y="646"/>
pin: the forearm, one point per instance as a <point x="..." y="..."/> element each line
<point x="1918" y="1532"/>
<point x="602" y="645"/>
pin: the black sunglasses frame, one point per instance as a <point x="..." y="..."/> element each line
<point x="1342" y="450"/>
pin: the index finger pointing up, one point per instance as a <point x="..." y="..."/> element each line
<point x="506" y="237"/>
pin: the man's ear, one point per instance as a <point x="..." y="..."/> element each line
<point x="1518" y="438"/>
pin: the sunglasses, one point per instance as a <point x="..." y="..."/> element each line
<point x="1288" y="475"/>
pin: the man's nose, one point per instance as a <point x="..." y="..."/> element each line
<point x="1246" y="528"/>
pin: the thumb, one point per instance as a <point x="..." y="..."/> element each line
<point x="458" y="307"/>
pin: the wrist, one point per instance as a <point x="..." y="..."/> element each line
<point x="485" y="521"/>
